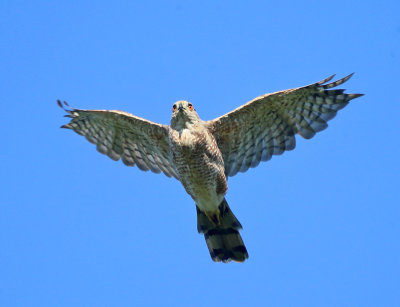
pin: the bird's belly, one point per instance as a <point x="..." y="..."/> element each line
<point x="200" y="167"/>
<point x="203" y="190"/>
<point x="201" y="178"/>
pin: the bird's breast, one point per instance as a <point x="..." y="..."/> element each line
<point x="187" y="140"/>
<point x="200" y="166"/>
<point x="191" y="147"/>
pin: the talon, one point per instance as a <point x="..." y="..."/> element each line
<point x="214" y="217"/>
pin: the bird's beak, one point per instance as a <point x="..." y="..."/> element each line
<point x="180" y="108"/>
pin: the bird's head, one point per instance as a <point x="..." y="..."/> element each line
<point x="183" y="115"/>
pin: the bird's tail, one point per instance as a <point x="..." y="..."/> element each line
<point x="223" y="239"/>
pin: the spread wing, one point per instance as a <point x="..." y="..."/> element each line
<point x="122" y="135"/>
<point x="267" y="125"/>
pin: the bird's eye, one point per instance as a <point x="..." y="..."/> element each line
<point x="190" y="107"/>
<point x="173" y="107"/>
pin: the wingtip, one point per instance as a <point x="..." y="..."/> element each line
<point x="63" y="105"/>
<point x="326" y="80"/>
<point x="353" y="96"/>
<point x="337" y="82"/>
<point x="331" y="77"/>
<point x="347" y="77"/>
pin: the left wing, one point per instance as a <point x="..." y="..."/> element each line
<point x="122" y="135"/>
<point x="267" y="125"/>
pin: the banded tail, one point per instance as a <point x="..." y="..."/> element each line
<point x="224" y="241"/>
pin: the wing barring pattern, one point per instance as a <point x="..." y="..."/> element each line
<point x="121" y="135"/>
<point x="267" y="125"/>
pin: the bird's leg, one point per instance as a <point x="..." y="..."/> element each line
<point x="214" y="217"/>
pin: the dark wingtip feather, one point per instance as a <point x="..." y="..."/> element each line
<point x="337" y="82"/>
<point x="347" y="77"/>
<point x="352" y="96"/>
<point x="64" y="105"/>
<point x="326" y="80"/>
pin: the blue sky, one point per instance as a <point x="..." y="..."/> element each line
<point x="321" y="223"/>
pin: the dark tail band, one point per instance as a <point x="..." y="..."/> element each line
<point x="224" y="241"/>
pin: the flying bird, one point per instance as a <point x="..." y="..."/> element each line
<point x="203" y="154"/>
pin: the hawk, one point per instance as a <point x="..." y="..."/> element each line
<point x="203" y="154"/>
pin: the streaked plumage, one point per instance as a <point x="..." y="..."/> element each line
<point x="202" y="154"/>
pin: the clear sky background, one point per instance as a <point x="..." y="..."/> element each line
<point x="321" y="223"/>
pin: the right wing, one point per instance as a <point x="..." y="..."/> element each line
<point x="122" y="135"/>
